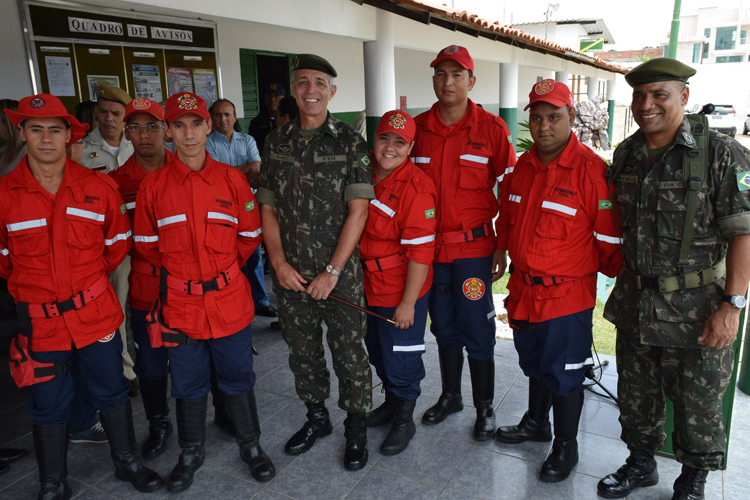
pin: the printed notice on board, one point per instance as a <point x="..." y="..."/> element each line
<point x="147" y="81"/>
<point x="179" y="80"/>
<point x="96" y="80"/>
<point x="205" y="85"/>
<point x="60" y="76"/>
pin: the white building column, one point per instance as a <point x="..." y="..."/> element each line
<point x="509" y="94"/>
<point x="562" y="77"/>
<point x="380" y="72"/>
<point x="592" y="85"/>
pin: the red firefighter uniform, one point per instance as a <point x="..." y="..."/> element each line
<point x="557" y="221"/>
<point x="144" y="283"/>
<point x="400" y="227"/>
<point x="465" y="161"/>
<point x="57" y="247"/>
<point x="198" y="225"/>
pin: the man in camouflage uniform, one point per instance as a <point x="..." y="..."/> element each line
<point x="676" y="315"/>
<point x="316" y="185"/>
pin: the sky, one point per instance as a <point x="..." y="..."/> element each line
<point x="634" y="24"/>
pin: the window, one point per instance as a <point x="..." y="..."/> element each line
<point x="743" y="37"/>
<point x="728" y="59"/>
<point x="725" y="38"/>
<point x="707" y="33"/>
<point x="697" y="52"/>
<point x="705" y="50"/>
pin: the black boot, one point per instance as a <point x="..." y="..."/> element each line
<point x="564" y="454"/>
<point x="245" y="416"/>
<point x="383" y="414"/>
<point x="639" y="471"/>
<point x="691" y="484"/>
<point x="222" y="417"/>
<point x="355" y="430"/>
<point x="402" y="429"/>
<point x="534" y="425"/>
<point x="451" y="364"/>
<point x="483" y="388"/>
<point x="51" y="445"/>
<point x="118" y="424"/>
<point x="191" y="435"/>
<point x="154" y="396"/>
<point x="318" y="425"/>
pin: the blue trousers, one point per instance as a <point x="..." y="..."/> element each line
<point x="83" y="409"/>
<point x="253" y="271"/>
<point x="149" y="362"/>
<point x="461" y="307"/>
<point x="557" y="352"/>
<point x="397" y="354"/>
<point x="190" y="365"/>
<point x="101" y="370"/>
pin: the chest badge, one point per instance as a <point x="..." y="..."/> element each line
<point x="473" y="288"/>
<point x="678" y="175"/>
<point x="688" y="138"/>
<point x="94" y="154"/>
<point x="284" y="148"/>
<point x="629" y="169"/>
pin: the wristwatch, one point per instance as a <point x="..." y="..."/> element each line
<point x="332" y="270"/>
<point x="737" y="301"/>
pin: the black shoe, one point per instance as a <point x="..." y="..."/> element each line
<point x="51" y="446"/>
<point x="691" y="484"/>
<point x="564" y="454"/>
<point x="402" y="429"/>
<point x="10" y="455"/>
<point x="275" y="325"/>
<point x="639" y="471"/>
<point x="269" y="311"/>
<point x="383" y="414"/>
<point x="245" y="414"/>
<point x="355" y="456"/>
<point x="118" y="424"/>
<point x="94" y="435"/>
<point x="534" y="425"/>
<point x="451" y="364"/>
<point x="483" y="388"/>
<point x="318" y="425"/>
<point x="134" y="388"/>
<point x="191" y="435"/>
<point x="154" y="396"/>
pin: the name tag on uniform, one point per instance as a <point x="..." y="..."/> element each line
<point x="100" y="167"/>
<point x="633" y="179"/>
<point x="672" y="185"/>
<point x="328" y="159"/>
<point x="278" y="157"/>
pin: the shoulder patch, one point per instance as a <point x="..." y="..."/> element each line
<point x="364" y="160"/>
<point x="743" y="181"/>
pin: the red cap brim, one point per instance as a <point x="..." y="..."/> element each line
<point x="551" y="100"/>
<point x="77" y="129"/>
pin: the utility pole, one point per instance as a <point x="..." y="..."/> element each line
<point x="674" y="35"/>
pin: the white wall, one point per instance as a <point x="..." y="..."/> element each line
<point x="16" y="80"/>
<point x="527" y="77"/>
<point x="414" y="77"/>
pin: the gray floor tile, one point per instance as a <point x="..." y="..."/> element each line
<point x="741" y="412"/>
<point x="16" y="423"/>
<point x="383" y="484"/>
<point x="533" y="451"/>
<point x="270" y="404"/>
<point x="266" y="494"/>
<point x="230" y="462"/>
<point x="458" y="427"/>
<point x="515" y="402"/>
<point x="280" y="381"/>
<point x="484" y="474"/>
<point x="577" y="486"/>
<point x="89" y="463"/>
<point x="506" y="349"/>
<point x="736" y="483"/>
<point x="92" y="494"/>
<point x="598" y="455"/>
<point x="739" y="447"/>
<point x="123" y="490"/>
<point x="608" y="381"/>
<point x="10" y="400"/>
<point x="600" y="417"/>
<point x="28" y="487"/>
<point x="18" y="470"/>
<point x="210" y="483"/>
<point x="427" y="459"/>
<point x="453" y="495"/>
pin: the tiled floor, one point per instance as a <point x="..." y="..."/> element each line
<point x="441" y="462"/>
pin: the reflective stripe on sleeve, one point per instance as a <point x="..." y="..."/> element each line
<point x="145" y="239"/>
<point x="515" y="198"/>
<point x="578" y="366"/>
<point x="18" y="226"/>
<point x="508" y="170"/>
<point x="408" y="348"/>
<point x="250" y="234"/>
<point x="384" y="208"/>
<point x="419" y="241"/>
<point x="4" y="251"/>
<point x="171" y="220"/>
<point x="475" y="158"/>
<point x="560" y="208"/>
<point x="85" y="214"/>
<point x="130" y="206"/>
<point x="122" y="236"/>
<point x="219" y="215"/>
<point x="421" y="159"/>
<point x="608" y="239"/>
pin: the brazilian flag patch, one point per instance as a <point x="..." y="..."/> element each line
<point x="123" y="209"/>
<point x="606" y="204"/>
<point x="249" y="206"/>
<point x="743" y="181"/>
<point x="429" y="214"/>
<point x="510" y="139"/>
<point x="364" y="160"/>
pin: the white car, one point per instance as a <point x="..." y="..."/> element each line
<point x="724" y="119"/>
<point x="746" y="126"/>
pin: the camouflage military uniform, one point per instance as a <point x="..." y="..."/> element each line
<point x="309" y="181"/>
<point x="658" y="351"/>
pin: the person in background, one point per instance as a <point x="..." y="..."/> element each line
<point x="85" y="112"/>
<point x="288" y="111"/>
<point x="14" y="147"/>
<point x="267" y="120"/>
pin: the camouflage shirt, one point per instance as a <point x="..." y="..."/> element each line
<point x="309" y="180"/>
<point x="652" y="211"/>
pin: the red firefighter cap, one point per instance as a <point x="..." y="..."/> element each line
<point x="556" y="93"/>
<point x="398" y="122"/>
<point x="185" y="102"/>
<point x="144" y="105"/>
<point x="46" y="106"/>
<point x="455" y="53"/>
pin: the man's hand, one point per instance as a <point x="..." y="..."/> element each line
<point x="322" y="285"/>
<point x="499" y="263"/>
<point x="721" y="327"/>
<point x="403" y="316"/>
<point x="289" y="278"/>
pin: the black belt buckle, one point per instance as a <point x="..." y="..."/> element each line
<point x="478" y="232"/>
<point x="210" y="286"/>
<point x="647" y="282"/>
<point x="682" y="282"/>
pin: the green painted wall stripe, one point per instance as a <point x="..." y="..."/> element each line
<point x="510" y="115"/>
<point x="611" y="124"/>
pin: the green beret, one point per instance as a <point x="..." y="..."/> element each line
<point x="660" y="69"/>
<point x="114" y="94"/>
<point x="311" y="61"/>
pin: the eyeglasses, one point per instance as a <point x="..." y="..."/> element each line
<point x="134" y="128"/>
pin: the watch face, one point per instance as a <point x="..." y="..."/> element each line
<point x="739" y="301"/>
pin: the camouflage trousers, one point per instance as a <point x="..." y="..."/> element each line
<point x="301" y="320"/>
<point x="694" y="379"/>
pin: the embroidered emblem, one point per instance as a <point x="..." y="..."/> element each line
<point x="123" y="209"/>
<point x="295" y="61"/>
<point x="510" y="139"/>
<point x="37" y="103"/>
<point x="364" y="160"/>
<point x="107" y="338"/>
<point x="606" y="204"/>
<point x="474" y="288"/>
<point x="141" y="103"/>
<point x="678" y="175"/>
<point x="187" y="102"/>
<point x="397" y="121"/>
<point x="688" y="138"/>
<point x="451" y="50"/>
<point x="284" y="148"/>
<point x="743" y="181"/>
<point x="249" y="206"/>
<point x="544" y="87"/>
<point x="429" y="214"/>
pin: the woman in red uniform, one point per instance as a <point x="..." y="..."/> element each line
<point x="397" y="249"/>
